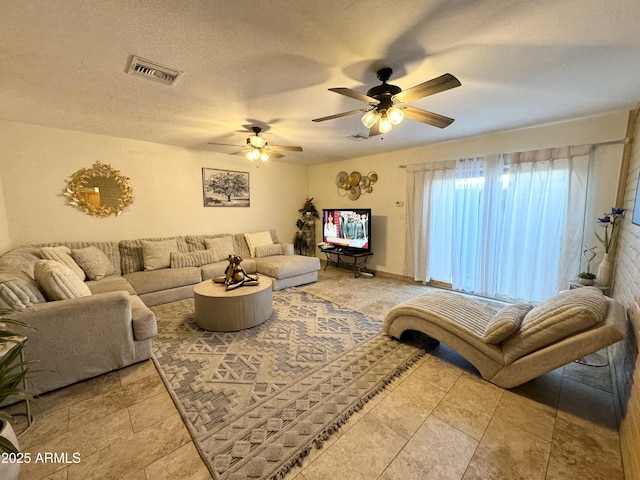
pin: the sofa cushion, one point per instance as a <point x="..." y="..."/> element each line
<point x="197" y="242"/>
<point x="157" y="254"/>
<point x="94" y="262"/>
<point x="18" y="292"/>
<point x="268" y="250"/>
<point x="287" y="249"/>
<point x="222" y="247"/>
<point x="505" y="322"/>
<point x="110" y="249"/>
<point x="284" y="266"/>
<point x="62" y="254"/>
<point x="193" y="259"/>
<point x="131" y="258"/>
<point x="21" y="260"/>
<point x="18" y="288"/>
<point x="110" y="283"/>
<point x="164" y="279"/>
<point x="58" y="281"/>
<point x="555" y="319"/>
<point x="143" y="320"/>
<point x="258" y="238"/>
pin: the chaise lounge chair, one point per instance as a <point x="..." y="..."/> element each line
<point x="519" y="342"/>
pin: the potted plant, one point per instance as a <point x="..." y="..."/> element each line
<point x="608" y="241"/>
<point x="13" y="372"/>
<point x="587" y="278"/>
<point x="305" y="235"/>
<point x="309" y="208"/>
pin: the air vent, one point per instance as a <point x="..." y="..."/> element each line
<point x="357" y="137"/>
<point x="153" y="71"/>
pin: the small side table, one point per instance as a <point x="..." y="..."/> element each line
<point x="576" y="284"/>
<point x="4" y="349"/>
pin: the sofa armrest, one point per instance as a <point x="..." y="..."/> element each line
<point x="287" y="248"/>
<point x="75" y="339"/>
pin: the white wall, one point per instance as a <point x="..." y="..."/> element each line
<point x="167" y="185"/>
<point x="388" y="220"/>
<point x="5" y="240"/>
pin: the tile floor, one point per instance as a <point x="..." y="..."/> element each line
<point x="439" y="420"/>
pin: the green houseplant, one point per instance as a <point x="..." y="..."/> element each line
<point x="13" y="372"/>
<point x="304" y="237"/>
<point x="587" y="278"/>
<point x="310" y="208"/>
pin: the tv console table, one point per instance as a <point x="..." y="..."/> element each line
<point x="359" y="259"/>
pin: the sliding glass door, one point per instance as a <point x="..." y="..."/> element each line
<point x="505" y="226"/>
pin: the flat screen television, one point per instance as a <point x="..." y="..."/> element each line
<point x="348" y="229"/>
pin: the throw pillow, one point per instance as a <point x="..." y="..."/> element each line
<point x="63" y="255"/>
<point x="256" y="239"/>
<point x="58" y="281"/>
<point x="505" y="322"/>
<point x="157" y="254"/>
<point x="193" y="259"/>
<point x="94" y="262"/>
<point x="222" y="247"/>
<point x="555" y="319"/>
<point x="268" y="250"/>
<point x="18" y="294"/>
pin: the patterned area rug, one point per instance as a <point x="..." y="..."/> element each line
<point x="256" y="401"/>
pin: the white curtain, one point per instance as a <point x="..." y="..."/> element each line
<point x="543" y="221"/>
<point x="441" y="226"/>
<point x="505" y="226"/>
<point x="478" y="201"/>
<point x="423" y="196"/>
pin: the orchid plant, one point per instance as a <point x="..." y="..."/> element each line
<point x="611" y="220"/>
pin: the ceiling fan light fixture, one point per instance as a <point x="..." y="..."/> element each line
<point x="257" y="142"/>
<point x="395" y="115"/>
<point x="370" y="118"/>
<point x="264" y="156"/>
<point x="253" y="154"/>
<point x="385" y="125"/>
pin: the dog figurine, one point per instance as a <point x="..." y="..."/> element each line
<point x="235" y="276"/>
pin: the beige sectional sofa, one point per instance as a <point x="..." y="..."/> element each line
<point x="83" y="327"/>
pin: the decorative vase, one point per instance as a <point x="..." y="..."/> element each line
<point x="9" y="470"/>
<point x="586" y="281"/>
<point x="604" y="270"/>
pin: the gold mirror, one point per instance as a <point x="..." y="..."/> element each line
<point x="99" y="191"/>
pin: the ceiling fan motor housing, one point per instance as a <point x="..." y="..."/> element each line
<point x="383" y="94"/>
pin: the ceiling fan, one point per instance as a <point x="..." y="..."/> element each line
<point x="257" y="147"/>
<point x="386" y="103"/>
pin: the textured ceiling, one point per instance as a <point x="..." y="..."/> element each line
<point x="270" y="63"/>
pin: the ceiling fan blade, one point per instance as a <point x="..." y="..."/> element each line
<point x="338" y="115"/>
<point x="225" y="144"/>
<point x="288" y="148"/>
<point x="354" y="94"/>
<point x="429" y="118"/>
<point x="436" y="85"/>
<point x="275" y="154"/>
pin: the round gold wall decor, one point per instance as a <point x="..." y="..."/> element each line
<point x="355" y="184"/>
<point x="99" y="191"/>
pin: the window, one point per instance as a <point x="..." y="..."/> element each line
<point x="501" y="227"/>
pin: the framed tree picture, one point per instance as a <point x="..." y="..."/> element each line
<point x="225" y="188"/>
